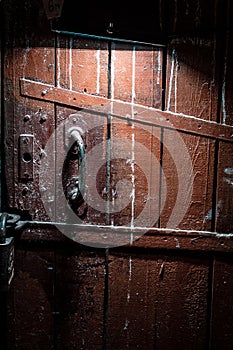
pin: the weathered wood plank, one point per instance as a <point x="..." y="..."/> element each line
<point x="123" y="110"/>
<point x="79" y="300"/>
<point x="224" y="200"/>
<point x="222" y="304"/>
<point x="131" y="308"/>
<point x="181" y="303"/>
<point x="188" y="167"/>
<point x="157" y="301"/>
<point x="193" y="83"/>
<point x="31" y="304"/>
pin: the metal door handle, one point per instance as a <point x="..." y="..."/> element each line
<point x="75" y="136"/>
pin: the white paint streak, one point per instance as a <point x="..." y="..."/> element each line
<point x="224" y="94"/>
<point x="130" y="277"/>
<point x="159" y="68"/>
<point x="174" y="62"/>
<point x="176" y="79"/>
<point x="133" y="145"/>
<point x="133" y="74"/>
<point x="126" y="325"/>
<point x="228" y="171"/>
<point x="70" y="62"/>
<point x="98" y="71"/>
<point x="58" y="63"/>
<point x="177" y="242"/>
<point x="228" y="181"/>
<point x="113" y="71"/>
<point x="208" y="216"/>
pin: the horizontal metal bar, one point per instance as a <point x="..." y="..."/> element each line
<point x="126" y="111"/>
<point x="107" y="38"/>
<point x="126" y="229"/>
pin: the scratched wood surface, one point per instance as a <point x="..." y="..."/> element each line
<point x="155" y="286"/>
<point x="167" y="289"/>
<point x="222" y="308"/>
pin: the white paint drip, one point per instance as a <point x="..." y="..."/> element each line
<point x="70" y="62"/>
<point x="228" y="171"/>
<point x="173" y="65"/>
<point x="159" y="68"/>
<point x="228" y="181"/>
<point x="224" y="100"/>
<point x="133" y="74"/>
<point x="177" y="242"/>
<point x="130" y="277"/>
<point x="176" y="79"/>
<point x="98" y="71"/>
<point x="113" y="71"/>
<point x="208" y="216"/>
<point x="58" y="63"/>
<point x="126" y="325"/>
<point x="133" y="146"/>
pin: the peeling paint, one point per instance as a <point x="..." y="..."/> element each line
<point x="228" y="181"/>
<point x="208" y="216"/>
<point x="177" y="242"/>
<point x="228" y="171"/>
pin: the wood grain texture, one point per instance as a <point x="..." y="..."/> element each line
<point x="222" y="310"/>
<point x="154" y="302"/>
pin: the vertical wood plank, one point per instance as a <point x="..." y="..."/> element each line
<point x="82" y="65"/>
<point x="137" y="167"/>
<point x="181" y="304"/>
<point x="226" y="98"/>
<point x="136" y="74"/>
<point x="157" y="302"/>
<point x="186" y="68"/>
<point x="197" y="212"/>
<point x="222" y="309"/>
<point x="132" y="295"/>
<point x="195" y="30"/>
<point x="224" y="201"/>
<point x="79" y="299"/>
<point x="30" y="309"/>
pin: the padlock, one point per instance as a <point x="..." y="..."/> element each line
<point x="6" y="256"/>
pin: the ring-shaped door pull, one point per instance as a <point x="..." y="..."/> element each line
<point x="75" y="136"/>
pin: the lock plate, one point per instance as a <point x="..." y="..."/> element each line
<point x="26" y="157"/>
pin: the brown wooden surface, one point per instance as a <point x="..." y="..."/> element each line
<point x="221" y="334"/>
<point x="155" y="286"/>
<point x="170" y="288"/>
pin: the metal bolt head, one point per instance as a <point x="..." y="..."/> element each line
<point x="26" y="118"/>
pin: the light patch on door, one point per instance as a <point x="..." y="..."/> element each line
<point x="128" y="160"/>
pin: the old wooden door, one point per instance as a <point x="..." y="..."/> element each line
<point x="128" y="241"/>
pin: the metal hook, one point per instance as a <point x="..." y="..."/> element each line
<point x="75" y="136"/>
<point x="3" y="223"/>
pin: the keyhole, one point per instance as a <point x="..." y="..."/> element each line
<point x="27" y="158"/>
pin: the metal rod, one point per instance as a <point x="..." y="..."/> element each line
<point x="106" y="38"/>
